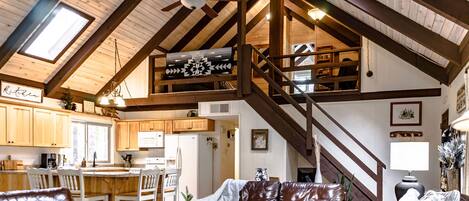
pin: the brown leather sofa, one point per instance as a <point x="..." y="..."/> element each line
<point x="53" y="194"/>
<point x="273" y="191"/>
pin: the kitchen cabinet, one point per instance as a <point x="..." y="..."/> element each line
<point x="127" y="136"/>
<point x="190" y="125"/>
<point x="168" y="127"/>
<point x="20" y="126"/>
<point x="3" y="125"/>
<point x="51" y="129"/>
<point x="149" y="126"/>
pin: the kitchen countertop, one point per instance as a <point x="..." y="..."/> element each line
<point x="93" y="172"/>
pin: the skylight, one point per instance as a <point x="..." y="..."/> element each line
<point x="56" y="34"/>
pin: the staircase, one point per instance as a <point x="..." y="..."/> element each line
<point x="316" y="119"/>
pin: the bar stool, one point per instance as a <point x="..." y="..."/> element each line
<point x="147" y="187"/>
<point x="40" y="178"/>
<point x="170" y="184"/>
<point x="75" y="182"/>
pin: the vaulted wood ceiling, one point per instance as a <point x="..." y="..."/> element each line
<point x="140" y="31"/>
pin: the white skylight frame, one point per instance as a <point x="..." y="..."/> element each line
<point x="56" y="34"/>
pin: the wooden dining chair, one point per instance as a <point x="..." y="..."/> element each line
<point x="148" y="181"/>
<point x="74" y="181"/>
<point x="40" y="178"/>
<point x="170" y="184"/>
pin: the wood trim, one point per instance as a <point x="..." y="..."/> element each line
<point x="146" y="50"/>
<point x="184" y="98"/>
<point x="90" y="45"/>
<point x="27" y="26"/>
<point x="410" y="28"/>
<point x="254" y="21"/>
<point x="225" y="27"/>
<point x="197" y="28"/>
<point x="161" y="107"/>
<point x="418" y="61"/>
<point x="43" y="25"/>
<point x="454" y="10"/>
<point x="357" y="96"/>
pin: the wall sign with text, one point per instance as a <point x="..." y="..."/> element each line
<point x="21" y="92"/>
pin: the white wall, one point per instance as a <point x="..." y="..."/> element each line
<point x="449" y="94"/>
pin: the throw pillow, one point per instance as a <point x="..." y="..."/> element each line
<point x="410" y="195"/>
<point x="441" y="196"/>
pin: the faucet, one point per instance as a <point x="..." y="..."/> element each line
<point x="94" y="159"/>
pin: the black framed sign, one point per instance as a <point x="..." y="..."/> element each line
<point x="21" y="92"/>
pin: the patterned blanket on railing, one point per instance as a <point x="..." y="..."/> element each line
<point x="198" y="63"/>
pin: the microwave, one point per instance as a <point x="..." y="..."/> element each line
<point x="150" y="140"/>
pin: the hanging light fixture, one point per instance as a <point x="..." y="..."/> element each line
<point x="462" y="123"/>
<point x="113" y="96"/>
<point x="316" y="14"/>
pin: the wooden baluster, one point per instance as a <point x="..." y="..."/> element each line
<point x="379" y="182"/>
<point x="292" y="65"/>
<point x="247" y="71"/>
<point x="309" y="127"/>
<point x="170" y="87"/>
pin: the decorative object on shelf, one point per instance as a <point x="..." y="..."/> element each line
<point x="67" y="101"/>
<point x="259" y="139"/>
<point x="187" y="196"/>
<point x="21" y="92"/>
<point x="192" y="113"/>
<point x="461" y="99"/>
<point x="410" y="134"/>
<point x="113" y="96"/>
<point x="198" y="63"/>
<point x="346" y="184"/>
<point x="88" y="107"/>
<point x="406" y="113"/>
<point x="409" y="156"/>
<point x="261" y="174"/>
<point x="316" y="14"/>
<point x="110" y="112"/>
<point x="452" y="157"/>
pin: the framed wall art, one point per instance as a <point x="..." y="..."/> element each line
<point x="406" y="113"/>
<point x="259" y="139"/>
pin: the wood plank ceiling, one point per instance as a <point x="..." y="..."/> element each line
<point x="147" y="19"/>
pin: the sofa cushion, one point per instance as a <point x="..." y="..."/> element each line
<point x="260" y="191"/>
<point x="56" y="194"/>
<point x="311" y="191"/>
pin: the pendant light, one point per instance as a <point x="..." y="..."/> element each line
<point x="462" y="123"/>
<point x="316" y="14"/>
<point x="113" y="96"/>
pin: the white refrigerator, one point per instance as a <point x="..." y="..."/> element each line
<point x="192" y="153"/>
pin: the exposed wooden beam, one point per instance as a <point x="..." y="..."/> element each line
<point x="410" y="28"/>
<point x="276" y="29"/>
<point x="111" y="23"/>
<point x="27" y="26"/>
<point x="146" y="50"/>
<point x="197" y="28"/>
<point x="161" y="49"/>
<point x="454" y="10"/>
<point x="418" y="61"/>
<point x="225" y="27"/>
<point x="327" y="24"/>
<point x="454" y="70"/>
<point x="254" y="21"/>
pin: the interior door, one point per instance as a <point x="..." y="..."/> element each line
<point x="43" y="128"/>
<point x="20" y="122"/>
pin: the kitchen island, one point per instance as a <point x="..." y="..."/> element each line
<point x="109" y="181"/>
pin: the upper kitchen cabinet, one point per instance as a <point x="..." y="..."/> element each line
<point x="62" y="133"/>
<point x="127" y="136"/>
<point x="191" y="125"/>
<point x="150" y="126"/>
<point x="51" y="129"/>
<point x="3" y="125"/>
<point x="20" y="127"/>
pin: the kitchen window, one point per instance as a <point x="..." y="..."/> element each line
<point x="89" y="138"/>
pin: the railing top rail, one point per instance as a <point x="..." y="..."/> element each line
<point x="316" y="53"/>
<point x="308" y="98"/>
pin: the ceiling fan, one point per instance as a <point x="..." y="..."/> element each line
<point x="194" y="4"/>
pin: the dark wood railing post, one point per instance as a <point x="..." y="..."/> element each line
<point x="379" y="181"/>
<point x="309" y="126"/>
<point x="246" y="73"/>
<point x="242" y="9"/>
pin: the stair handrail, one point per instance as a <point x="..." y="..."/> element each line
<point x="309" y="99"/>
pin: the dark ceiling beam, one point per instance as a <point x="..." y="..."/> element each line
<point x="455" y="10"/>
<point x="197" y="28"/>
<point x="416" y="60"/>
<point x="254" y="21"/>
<point x="27" y="26"/>
<point x="327" y="24"/>
<point x="410" y="28"/>
<point x="85" y="51"/>
<point x="146" y="50"/>
<point x="454" y="70"/>
<point x="226" y="27"/>
<point x="161" y="49"/>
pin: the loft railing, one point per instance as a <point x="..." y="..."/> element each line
<point x="245" y="73"/>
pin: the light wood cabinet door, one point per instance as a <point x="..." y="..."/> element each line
<point x="133" y="136"/>
<point x="3" y="125"/>
<point x="189" y="125"/>
<point x="149" y="126"/>
<point x="20" y="126"/>
<point x="122" y="136"/>
<point x="182" y="125"/>
<point x="44" y="131"/>
<point x="168" y="127"/>
<point x="62" y="134"/>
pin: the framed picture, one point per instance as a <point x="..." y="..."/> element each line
<point x="406" y="113"/>
<point x="461" y="100"/>
<point x="259" y="139"/>
<point x="21" y="92"/>
<point x="88" y="107"/>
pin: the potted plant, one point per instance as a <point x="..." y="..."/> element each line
<point x="187" y="196"/>
<point x="346" y="184"/>
<point x="67" y="100"/>
<point x="452" y="156"/>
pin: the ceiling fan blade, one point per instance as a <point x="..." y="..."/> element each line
<point x="209" y="11"/>
<point x="172" y="6"/>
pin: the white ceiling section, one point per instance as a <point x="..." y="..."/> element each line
<point x="417" y="13"/>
